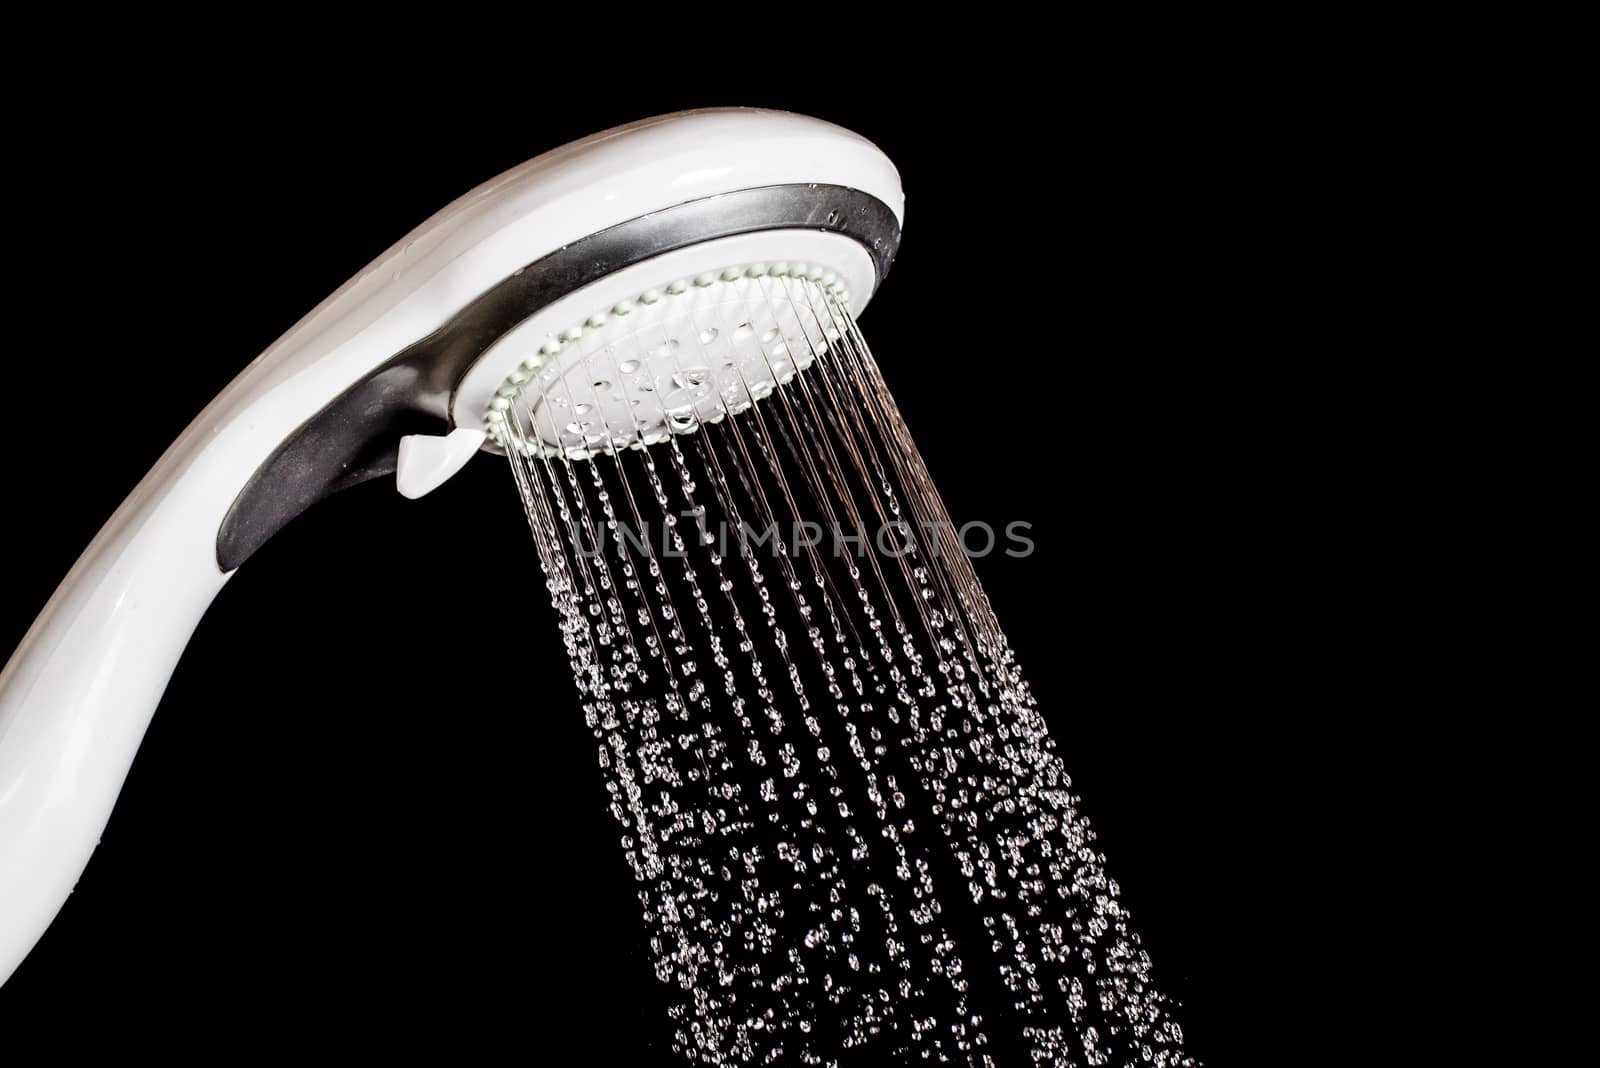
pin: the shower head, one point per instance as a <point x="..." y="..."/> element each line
<point x="634" y="237"/>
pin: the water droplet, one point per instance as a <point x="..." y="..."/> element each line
<point x="783" y="863"/>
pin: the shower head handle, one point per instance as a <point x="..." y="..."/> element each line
<point x="327" y="405"/>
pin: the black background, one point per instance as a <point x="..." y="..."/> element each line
<point x="365" y="815"/>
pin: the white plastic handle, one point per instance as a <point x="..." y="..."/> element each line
<point x="78" y="693"/>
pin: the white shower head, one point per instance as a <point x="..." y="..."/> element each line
<point x="628" y="235"/>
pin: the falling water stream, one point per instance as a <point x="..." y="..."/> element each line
<point x="853" y="839"/>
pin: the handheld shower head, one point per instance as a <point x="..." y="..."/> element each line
<point x="408" y="369"/>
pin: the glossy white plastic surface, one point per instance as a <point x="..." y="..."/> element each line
<point x="77" y="694"/>
<point x="427" y="460"/>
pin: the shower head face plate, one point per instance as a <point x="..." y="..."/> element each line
<point x="664" y="344"/>
<point x="726" y="344"/>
